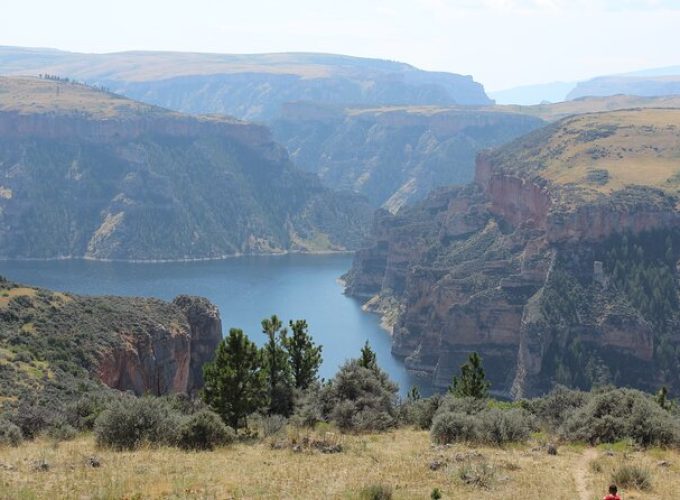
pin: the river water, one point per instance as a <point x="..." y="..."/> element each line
<point x="246" y="290"/>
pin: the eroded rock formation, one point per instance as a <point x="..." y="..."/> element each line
<point x="550" y="283"/>
<point x="164" y="358"/>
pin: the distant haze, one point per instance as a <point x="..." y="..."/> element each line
<point x="503" y="43"/>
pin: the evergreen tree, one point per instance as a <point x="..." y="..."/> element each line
<point x="304" y="357"/>
<point x="662" y="398"/>
<point x="234" y="380"/>
<point x="276" y="367"/>
<point x="413" y="394"/>
<point x="472" y="382"/>
<point x="368" y="358"/>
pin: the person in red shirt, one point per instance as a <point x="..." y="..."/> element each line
<point x="612" y="493"/>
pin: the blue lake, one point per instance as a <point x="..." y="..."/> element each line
<point x="246" y="289"/>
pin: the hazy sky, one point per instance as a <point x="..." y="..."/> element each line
<point x="502" y="43"/>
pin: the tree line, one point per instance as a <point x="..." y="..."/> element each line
<point x="243" y="378"/>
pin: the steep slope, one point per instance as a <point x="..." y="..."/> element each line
<point x="250" y="86"/>
<point x="394" y="155"/>
<point x="55" y="344"/>
<point x="84" y="173"/>
<point x="559" y="265"/>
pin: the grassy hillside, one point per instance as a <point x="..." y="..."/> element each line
<point x="402" y="461"/>
<point x="33" y="95"/>
<point x="53" y="346"/>
<point x="602" y="152"/>
<point x="559" y="110"/>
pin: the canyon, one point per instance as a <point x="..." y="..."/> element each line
<point x="86" y="173"/>
<point x="524" y="265"/>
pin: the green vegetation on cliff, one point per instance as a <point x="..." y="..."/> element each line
<point x="56" y="346"/>
<point x="394" y="155"/>
<point x="94" y="175"/>
<point x="559" y="266"/>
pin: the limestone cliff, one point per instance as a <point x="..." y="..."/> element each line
<point x="554" y="272"/>
<point x="56" y="342"/>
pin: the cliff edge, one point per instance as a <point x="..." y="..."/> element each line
<point x="559" y="264"/>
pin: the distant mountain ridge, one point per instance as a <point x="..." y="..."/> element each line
<point x="85" y="173"/>
<point x="248" y="86"/>
<point x="533" y="94"/>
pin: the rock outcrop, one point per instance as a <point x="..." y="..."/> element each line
<point x="164" y="359"/>
<point x="52" y="342"/>
<point x="551" y="282"/>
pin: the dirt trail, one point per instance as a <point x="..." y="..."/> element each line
<point x="581" y="474"/>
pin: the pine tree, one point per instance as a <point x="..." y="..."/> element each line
<point x="413" y="394"/>
<point x="368" y="358"/>
<point x="277" y="368"/>
<point x="304" y="357"/>
<point x="234" y="380"/>
<point x="662" y="398"/>
<point x="472" y="382"/>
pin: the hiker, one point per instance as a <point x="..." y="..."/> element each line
<point x="612" y="493"/>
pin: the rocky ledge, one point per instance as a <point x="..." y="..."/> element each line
<point x="551" y="283"/>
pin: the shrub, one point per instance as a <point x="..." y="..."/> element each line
<point x="633" y="476"/>
<point x="468" y="406"/>
<point x="204" y="431"/>
<point x="360" y="398"/>
<point x="309" y="406"/>
<point x="553" y="409"/>
<point x="82" y="413"/>
<point x="493" y="426"/>
<point x="376" y="492"/>
<point x="480" y="475"/>
<point x="32" y="419"/>
<point x="131" y="422"/>
<point x="10" y="434"/>
<point x="649" y="425"/>
<point x="449" y="427"/>
<point x="420" y="412"/>
<point x="271" y="425"/>
<point x="618" y="414"/>
<point x="61" y="431"/>
<point x="498" y="427"/>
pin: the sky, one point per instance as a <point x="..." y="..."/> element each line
<point x="502" y="43"/>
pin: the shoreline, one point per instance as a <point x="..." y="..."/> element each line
<point x="175" y="261"/>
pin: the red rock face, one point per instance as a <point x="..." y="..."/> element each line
<point x="468" y="269"/>
<point x="165" y="359"/>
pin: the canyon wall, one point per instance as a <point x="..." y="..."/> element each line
<point x="165" y="359"/>
<point x="506" y="268"/>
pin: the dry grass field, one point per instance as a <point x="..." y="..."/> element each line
<point x="403" y="460"/>
<point x="34" y="95"/>
<point x="640" y="147"/>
